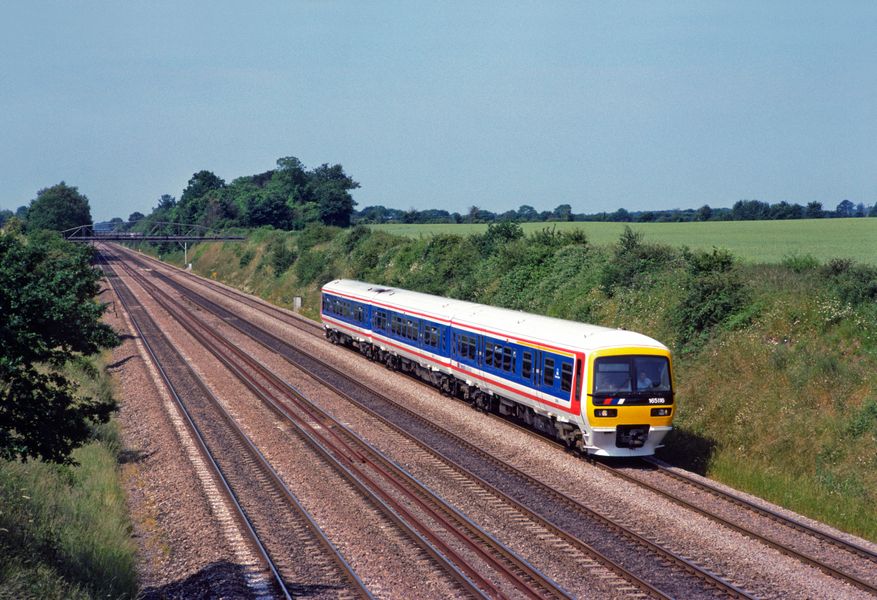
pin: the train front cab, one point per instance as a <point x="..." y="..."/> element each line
<point x="629" y="407"/>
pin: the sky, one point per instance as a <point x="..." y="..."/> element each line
<point x="600" y="105"/>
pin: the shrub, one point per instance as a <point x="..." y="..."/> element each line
<point x="282" y="257"/>
<point x="315" y="233"/>
<point x="313" y="266"/>
<point x="714" y="292"/>
<point x="799" y="263"/>
<point x="498" y="235"/>
<point x="853" y="283"/>
<point x="634" y="262"/>
<point x="247" y="257"/>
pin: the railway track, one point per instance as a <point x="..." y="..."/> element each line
<point x="855" y="565"/>
<point x="374" y="473"/>
<point x="270" y="518"/>
<point x="526" y="494"/>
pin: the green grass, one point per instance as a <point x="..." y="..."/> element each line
<point x="752" y="241"/>
<point x="64" y="531"/>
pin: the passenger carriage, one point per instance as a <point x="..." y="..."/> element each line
<point x="602" y="391"/>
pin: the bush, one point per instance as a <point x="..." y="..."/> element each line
<point x="247" y="257"/>
<point x="799" y="263"/>
<point x="281" y="256"/>
<point x="314" y="266"/>
<point x="315" y="233"/>
<point x="714" y="293"/>
<point x="854" y="283"/>
<point x="634" y="262"/>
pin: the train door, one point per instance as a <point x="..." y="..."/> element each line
<point x="537" y="369"/>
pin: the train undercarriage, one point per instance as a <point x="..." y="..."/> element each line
<point x="568" y="434"/>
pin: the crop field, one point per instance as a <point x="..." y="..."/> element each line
<point x="752" y="241"/>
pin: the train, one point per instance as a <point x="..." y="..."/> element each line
<point x="599" y="391"/>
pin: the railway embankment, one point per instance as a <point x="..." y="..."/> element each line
<point x="776" y="363"/>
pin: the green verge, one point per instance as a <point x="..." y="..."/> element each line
<point x="775" y="364"/>
<point x="64" y="530"/>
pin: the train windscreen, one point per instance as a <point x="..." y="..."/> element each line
<point x="631" y="374"/>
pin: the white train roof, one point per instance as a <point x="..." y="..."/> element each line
<point x="499" y="322"/>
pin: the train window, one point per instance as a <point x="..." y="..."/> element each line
<point x="326" y="303"/>
<point x="506" y="359"/>
<point x="357" y="314"/>
<point x="396" y="325"/>
<point x="548" y="372"/>
<point x="527" y="365"/>
<point x="430" y="335"/>
<point x="612" y="375"/>
<point x="566" y="376"/>
<point x="380" y="320"/>
<point x="411" y="329"/>
<point x="463" y="347"/>
<point x="488" y="354"/>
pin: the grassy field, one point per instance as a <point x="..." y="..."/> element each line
<point x="752" y="241"/>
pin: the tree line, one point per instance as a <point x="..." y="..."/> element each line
<point x="742" y="210"/>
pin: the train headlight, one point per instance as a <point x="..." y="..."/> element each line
<point x="661" y="412"/>
<point x="605" y="412"/>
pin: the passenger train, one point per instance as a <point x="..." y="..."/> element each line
<point x="600" y="391"/>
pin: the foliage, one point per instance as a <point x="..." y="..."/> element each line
<point x="65" y="529"/>
<point x="800" y="263"/>
<point x="246" y="257"/>
<point x="58" y="208"/>
<point x="714" y="292"/>
<point x="634" y="262"/>
<point x="288" y="197"/>
<point x="282" y="256"/>
<point x="853" y="283"/>
<point x="47" y="290"/>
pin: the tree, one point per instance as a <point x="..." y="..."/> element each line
<point x="268" y="209"/>
<point x="166" y="203"/>
<point x="47" y="290"/>
<point x="329" y="187"/>
<point x="814" y="210"/>
<point x="527" y="213"/>
<point x="201" y="183"/>
<point x="563" y="212"/>
<point x="750" y="210"/>
<point x="58" y="208"/>
<point x="845" y="209"/>
<point x="135" y="216"/>
<point x="621" y="216"/>
<point x="704" y="213"/>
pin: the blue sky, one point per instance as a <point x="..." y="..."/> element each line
<point x="642" y="105"/>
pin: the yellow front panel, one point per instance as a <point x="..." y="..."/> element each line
<point x="627" y="415"/>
